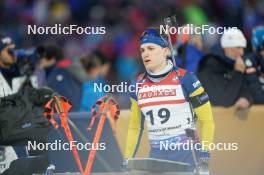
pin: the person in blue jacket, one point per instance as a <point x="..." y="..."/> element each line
<point x="189" y="52"/>
<point x="255" y="66"/>
<point x="96" y="66"/>
<point x="62" y="75"/>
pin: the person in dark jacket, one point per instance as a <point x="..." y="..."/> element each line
<point x="222" y="72"/>
<point x="62" y="75"/>
<point x="21" y="109"/>
<point x="255" y="66"/>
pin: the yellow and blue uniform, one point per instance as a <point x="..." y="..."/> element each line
<point x="168" y="111"/>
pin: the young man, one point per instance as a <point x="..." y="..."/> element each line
<point x="166" y="99"/>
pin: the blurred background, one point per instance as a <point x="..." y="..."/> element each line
<point x="124" y="21"/>
<point x="71" y="64"/>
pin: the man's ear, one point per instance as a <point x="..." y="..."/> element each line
<point x="167" y="51"/>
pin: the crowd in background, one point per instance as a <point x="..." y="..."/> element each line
<point x="115" y="56"/>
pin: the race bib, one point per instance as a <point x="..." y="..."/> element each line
<point x="166" y="112"/>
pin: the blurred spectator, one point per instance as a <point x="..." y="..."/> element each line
<point x="16" y="71"/>
<point x="189" y="51"/>
<point x="52" y="54"/>
<point x="195" y="15"/>
<point x="62" y="75"/>
<point x="97" y="68"/>
<point x="127" y="68"/>
<point x="253" y="15"/>
<point x="124" y="21"/>
<point x="8" y="68"/>
<point x="13" y="79"/>
<point x="222" y="72"/>
<point x="8" y="73"/>
<point x="255" y="66"/>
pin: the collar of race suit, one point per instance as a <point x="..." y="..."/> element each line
<point x="157" y="77"/>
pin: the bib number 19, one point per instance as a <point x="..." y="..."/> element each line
<point x="163" y="113"/>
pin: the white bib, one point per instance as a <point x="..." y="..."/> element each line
<point x="166" y="112"/>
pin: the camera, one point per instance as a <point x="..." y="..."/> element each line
<point x="27" y="58"/>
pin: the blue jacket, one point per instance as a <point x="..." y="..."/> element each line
<point x="90" y="94"/>
<point x="188" y="57"/>
<point x="62" y="81"/>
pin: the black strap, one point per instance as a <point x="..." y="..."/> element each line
<point x="199" y="100"/>
<point x="183" y="50"/>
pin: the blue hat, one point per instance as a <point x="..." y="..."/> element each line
<point x="152" y="36"/>
<point x="258" y="39"/>
<point x="5" y="41"/>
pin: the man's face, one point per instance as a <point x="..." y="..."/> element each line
<point x="153" y="56"/>
<point x="234" y="52"/>
<point x="7" y="58"/>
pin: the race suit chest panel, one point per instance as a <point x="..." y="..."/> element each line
<point x="166" y="111"/>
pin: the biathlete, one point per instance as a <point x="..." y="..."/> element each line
<point x="169" y="99"/>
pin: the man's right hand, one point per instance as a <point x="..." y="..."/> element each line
<point x="240" y="65"/>
<point x="242" y="103"/>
